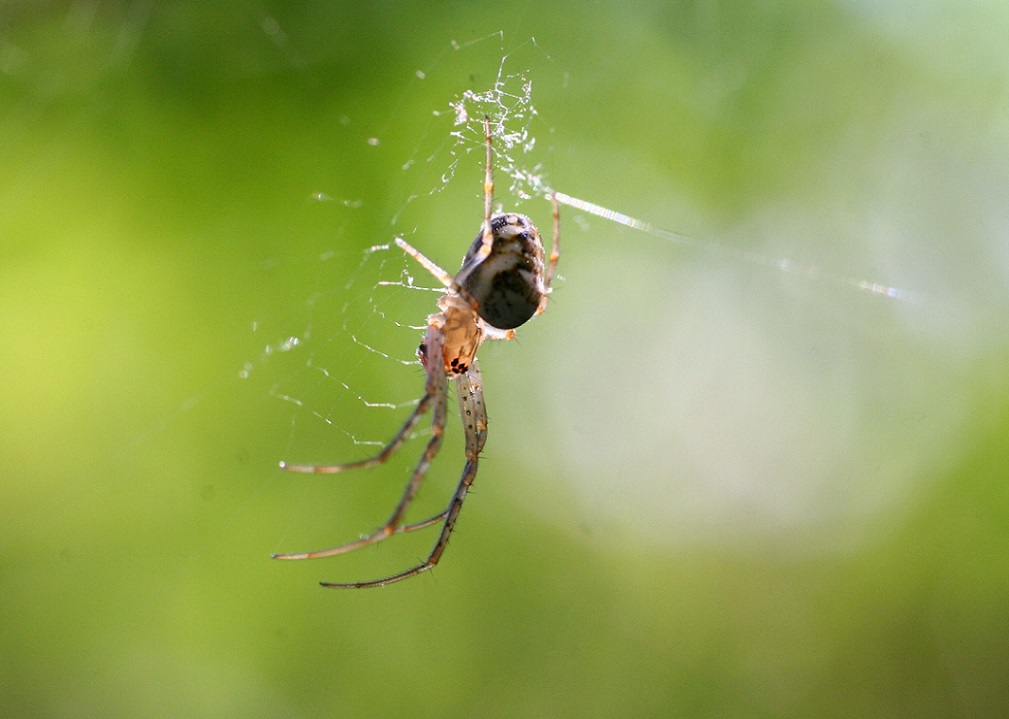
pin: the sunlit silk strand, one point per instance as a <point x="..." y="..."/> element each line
<point x="782" y="264"/>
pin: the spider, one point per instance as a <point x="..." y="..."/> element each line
<point x="503" y="283"/>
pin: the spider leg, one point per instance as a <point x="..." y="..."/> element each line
<point x="473" y="410"/>
<point x="555" y="254"/>
<point x="436" y="392"/>
<point x="419" y="411"/>
<point x="441" y="275"/>
<point x="450" y="514"/>
<point x="474" y="417"/>
<point x="488" y="196"/>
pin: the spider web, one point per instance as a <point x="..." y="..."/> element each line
<point x="783" y="394"/>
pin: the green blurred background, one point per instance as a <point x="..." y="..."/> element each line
<point x="711" y="487"/>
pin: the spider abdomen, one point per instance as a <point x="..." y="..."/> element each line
<point x="508" y="283"/>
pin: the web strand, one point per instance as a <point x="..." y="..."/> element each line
<point x="783" y="264"/>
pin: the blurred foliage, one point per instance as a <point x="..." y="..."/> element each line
<point x="711" y="489"/>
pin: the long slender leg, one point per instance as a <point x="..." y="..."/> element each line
<point x="451" y="515"/>
<point x="441" y="275"/>
<point x="472" y="409"/>
<point x="555" y="255"/>
<point x="488" y="235"/>
<point x="411" y="421"/>
<point x="555" y="251"/>
<point x="474" y="417"/>
<point x="436" y="389"/>
<point x="419" y="411"/>
<point x="454" y="507"/>
<point x="488" y="196"/>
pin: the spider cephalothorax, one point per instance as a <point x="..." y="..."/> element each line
<point x="503" y="282"/>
